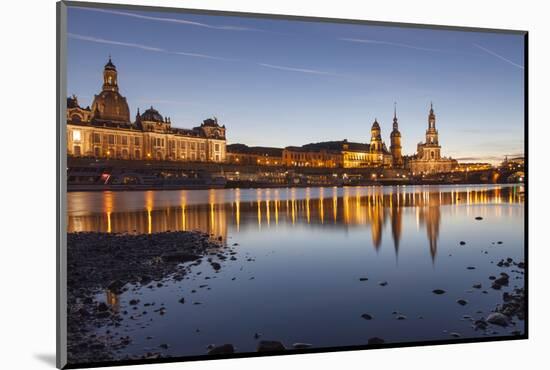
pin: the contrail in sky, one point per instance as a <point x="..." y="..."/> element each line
<point x="498" y="56"/>
<point x="142" y="47"/>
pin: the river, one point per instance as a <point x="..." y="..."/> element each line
<point x="302" y="253"/>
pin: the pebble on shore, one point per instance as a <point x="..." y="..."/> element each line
<point x="270" y="346"/>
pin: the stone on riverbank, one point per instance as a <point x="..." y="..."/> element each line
<point x="270" y="346"/>
<point x="224" y="349"/>
<point x="301" y="345"/>
<point x="497" y="318"/>
<point x="375" y="340"/>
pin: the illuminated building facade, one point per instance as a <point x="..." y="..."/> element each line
<point x="313" y="155"/>
<point x="465" y="167"/>
<point x="254" y="155"/>
<point x="342" y="153"/>
<point x="105" y="130"/>
<point x="428" y="156"/>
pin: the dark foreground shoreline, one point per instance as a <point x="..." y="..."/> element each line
<point x="99" y="262"/>
<point x="105" y="262"/>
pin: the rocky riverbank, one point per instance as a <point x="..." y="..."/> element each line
<point x="102" y="266"/>
<point x="99" y="262"/>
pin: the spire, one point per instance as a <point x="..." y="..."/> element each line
<point x="110" y="64"/>
<point x="431" y="117"/>
<point x="395" y="126"/>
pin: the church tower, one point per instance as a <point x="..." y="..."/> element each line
<point x="375" y="138"/>
<point x="109" y="105"/>
<point x="431" y="150"/>
<point x="395" y="139"/>
<point x="110" y="77"/>
<point x="431" y="132"/>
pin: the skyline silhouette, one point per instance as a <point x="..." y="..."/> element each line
<point x="281" y="82"/>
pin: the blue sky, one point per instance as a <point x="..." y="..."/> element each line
<point x="281" y="82"/>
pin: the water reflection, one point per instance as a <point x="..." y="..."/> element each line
<point x="113" y="300"/>
<point x="265" y="209"/>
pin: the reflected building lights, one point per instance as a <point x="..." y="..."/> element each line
<point x="371" y="208"/>
<point x="335" y="204"/>
<point x="276" y="211"/>
<point x="238" y="208"/>
<point x="308" y="215"/>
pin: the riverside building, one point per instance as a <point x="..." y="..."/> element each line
<point x="428" y="157"/>
<point x="106" y="131"/>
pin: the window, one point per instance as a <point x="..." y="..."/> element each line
<point x="96" y="138"/>
<point x="111" y="139"/>
<point x="76" y="151"/>
<point x="137" y="154"/>
<point x="76" y="135"/>
<point x="217" y="147"/>
<point x="182" y="145"/>
<point x="193" y="147"/>
<point x="202" y="146"/>
<point x="124" y="140"/>
<point x="136" y="141"/>
<point x="97" y="151"/>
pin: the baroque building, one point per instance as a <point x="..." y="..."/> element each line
<point x="428" y="157"/>
<point x="342" y="153"/>
<point x="254" y="155"/>
<point x="106" y="131"/>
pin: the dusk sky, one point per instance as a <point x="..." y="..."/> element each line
<point x="281" y="83"/>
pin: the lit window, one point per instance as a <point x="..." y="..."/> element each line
<point x="76" y="135"/>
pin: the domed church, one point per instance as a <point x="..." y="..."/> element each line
<point x="106" y="131"/>
<point x="109" y="105"/>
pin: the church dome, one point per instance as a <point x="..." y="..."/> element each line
<point x="110" y="65"/>
<point x="395" y="133"/>
<point x="152" y="114"/>
<point x="111" y="106"/>
<point x="211" y="122"/>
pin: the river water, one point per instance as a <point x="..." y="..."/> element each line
<point x="301" y="254"/>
